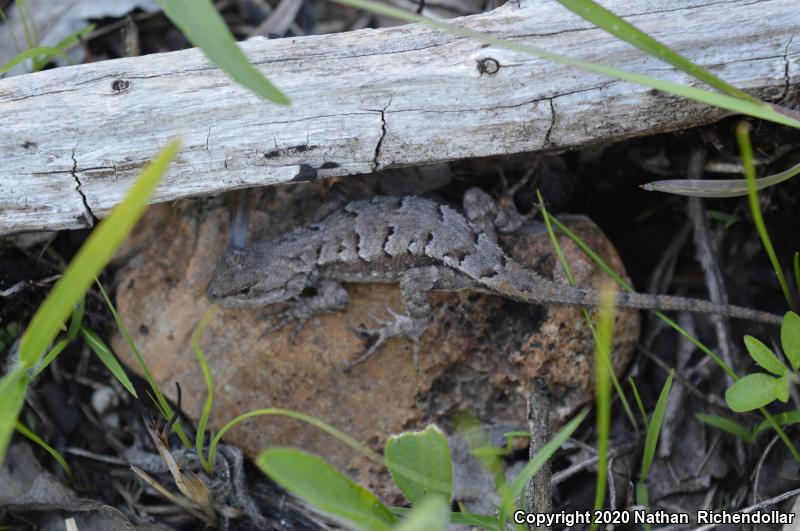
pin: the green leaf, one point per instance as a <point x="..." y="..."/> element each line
<point x="784" y="419"/>
<point x="790" y="338"/>
<point x="762" y="355"/>
<point x="727" y="425"/>
<point x="433" y="514"/>
<point x="654" y="428"/>
<point x="425" y="453"/>
<point x="45" y="52"/>
<point x="91" y="258"/>
<point x="751" y="392"/>
<point x="781" y="387"/>
<point x="311" y="478"/>
<point x="204" y="27"/>
<point x="12" y="395"/>
<point x="107" y="357"/>
<point x="627" y="32"/>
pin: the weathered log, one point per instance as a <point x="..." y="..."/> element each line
<point x="75" y="138"/>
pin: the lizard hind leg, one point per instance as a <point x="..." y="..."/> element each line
<point x="414" y="287"/>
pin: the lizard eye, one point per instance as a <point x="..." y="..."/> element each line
<point x="245" y="291"/>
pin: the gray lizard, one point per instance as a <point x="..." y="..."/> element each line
<point x="418" y="243"/>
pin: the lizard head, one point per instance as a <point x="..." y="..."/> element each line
<point x="241" y="281"/>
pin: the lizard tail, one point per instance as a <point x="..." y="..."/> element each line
<point x="524" y="285"/>
<point x="670" y="303"/>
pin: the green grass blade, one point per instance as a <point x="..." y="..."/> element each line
<point x="637" y="397"/>
<point x="797" y="268"/>
<point x="571" y="278"/>
<point x="209" y="380"/>
<point x="605" y="334"/>
<point x="77" y="319"/>
<point x="654" y="429"/>
<point x="107" y="357"/>
<point x="728" y="426"/>
<point x="31" y="36"/>
<point x="325" y="488"/>
<point x="159" y="399"/>
<point x="50" y="356"/>
<point x="784" y="419"/>
<point x="204" y="27"/>
<point x="539" y="459"/>
<point x="755" y="109"/>
<point x="91" y="258"/>
<point x="12" y="395"/>
<point x="629" y="33"/>
<point x="650" y="444"/>
<point x="21" y="428"/>
<point x="746" y="149"/>
<point x="45" y="52"/>
<point x="71" y="39"/>
<point x="327" y="428"/>
<point x="718" y="188"/>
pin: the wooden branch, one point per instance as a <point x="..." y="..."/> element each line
<point x="75" y="138"/>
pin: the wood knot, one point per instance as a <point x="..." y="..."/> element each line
<point x="120" y="85"/>
<point x="488" y="66"/>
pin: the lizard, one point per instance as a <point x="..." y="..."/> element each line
<point x="418" y="243"/>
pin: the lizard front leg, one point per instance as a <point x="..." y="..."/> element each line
<point x="414" y="287"/>
<point x="324" y="297"/>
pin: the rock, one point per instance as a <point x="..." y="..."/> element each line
<point x="478" y="355"/>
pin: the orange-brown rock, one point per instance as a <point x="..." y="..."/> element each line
<point x="479" y="353"/>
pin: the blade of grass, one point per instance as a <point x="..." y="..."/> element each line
<point x="31" y="53"/>
<point x="209" y="380"/>
<point x="91" y="258"/>
<point x="797" y="270"/>
<point x="727" y="425"/>
<point x="12" y="395"/>
<point x="21" y="428"/>
<point x="651" y="442"/>
<point x="639" y="402"/>
<point x="746" y="149"/>
<point x="200" y="22"/>
<point x="629" y="33"/>
<point x="539" y="459"/>
<point x="587" y="317"/>
<point x="605" y="333"/>
<point x="718" y="188"/>
<point x="77" y="319"/>
<point x="107" y="357"/>
<point x="757" y="110"/>
<point x="159" y="399"/>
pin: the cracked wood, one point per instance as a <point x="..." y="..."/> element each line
<point x="76" y="137"/>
